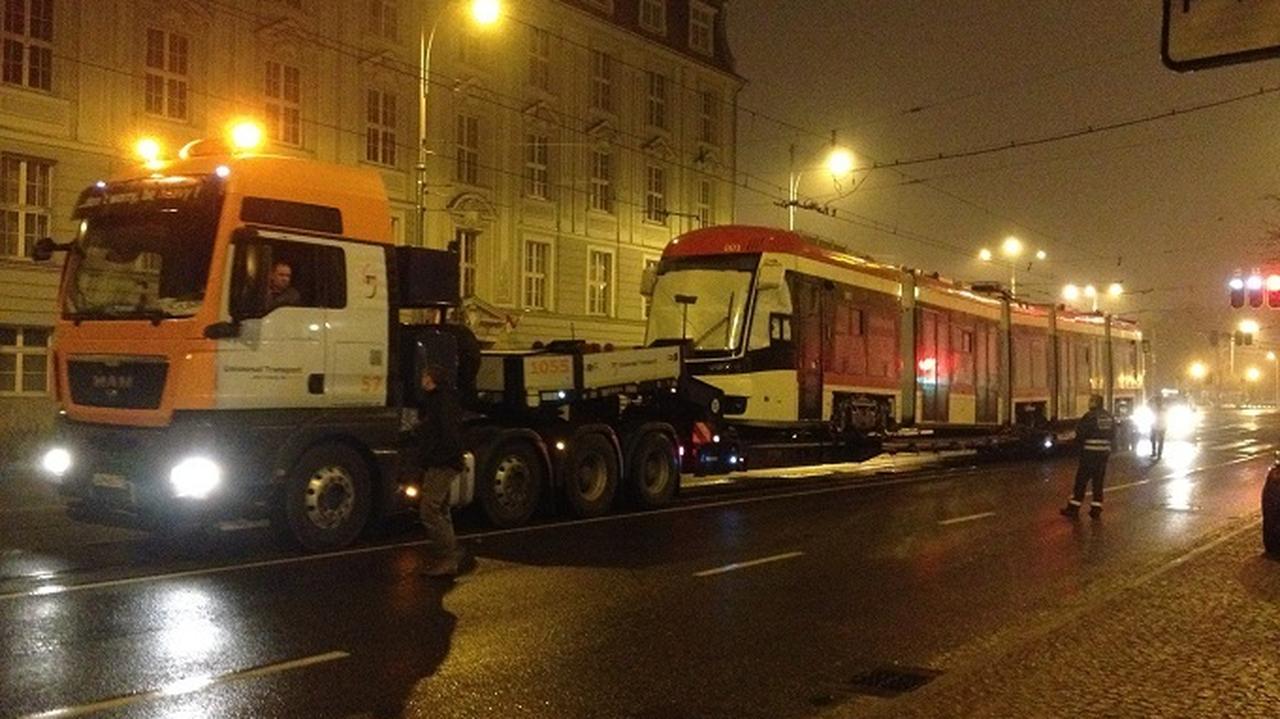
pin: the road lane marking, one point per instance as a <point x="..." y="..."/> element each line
<point x="302" y="559"/>
<point x="743" y="565"/>
<point x="966" y="518"/>
<point x="188" y="685"/>
<point x="49" y="589"/>
<point x="1119" y="487"/>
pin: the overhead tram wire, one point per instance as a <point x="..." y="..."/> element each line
<point x="413" y="71"/>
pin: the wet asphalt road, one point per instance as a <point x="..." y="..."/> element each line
<point x="762" y="598"/>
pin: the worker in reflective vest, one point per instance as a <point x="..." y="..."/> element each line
<point x="1095" y="432"/>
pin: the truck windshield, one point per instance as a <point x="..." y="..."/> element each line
<point x="144" y="249"/>
<point x="707" y="306"/>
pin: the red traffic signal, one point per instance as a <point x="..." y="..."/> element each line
<point x="1273" y="291"/>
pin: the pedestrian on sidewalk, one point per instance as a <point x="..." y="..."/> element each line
<point x="438" y="438"/>
<point x="1095" y="432"/>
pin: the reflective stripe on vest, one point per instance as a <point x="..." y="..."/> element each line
<point x="1097" y="445"/>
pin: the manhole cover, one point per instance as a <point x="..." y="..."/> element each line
<point x="890" y="682"/>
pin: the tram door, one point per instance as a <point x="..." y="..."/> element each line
<point x="933" y="366"/>
<point x="986" y="372"/>
<point x="807" y="331"/>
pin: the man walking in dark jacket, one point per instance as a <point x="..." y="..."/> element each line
<point x="1095" y="432"/>
<point x="440" y="455"/>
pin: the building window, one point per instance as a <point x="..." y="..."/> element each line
<point x="284" y="103"/>
<point x="655" y="196"/>
<point x="24" y="360"/>
<point x="537" y="262"/>
<point x="168" y="74"/>
<point x="380" y="128"/>
<point x="467" y="247"/>
<point x="653" y="15"/>
<point x="540" y="59"/>
<point x="701" y="23"/>
<point x="709" y="117"/>
<point x="26" y="190"/>
<point x="467" y="161"/>
<point x="602" y="181"/>
<point x="536" y="166"/>
<point x="657" y="100"/>
<point x="646" y="302"/>
<point x="382" y="19"/>
<point x="601" y="81"/>
<point x="28" y="43"/>
<point x="706" y="203"/>
<point x="600" y="283"/>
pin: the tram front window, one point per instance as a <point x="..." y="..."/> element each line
<point x="706" y="306"/>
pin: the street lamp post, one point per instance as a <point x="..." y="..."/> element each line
<point x="483" y="13"/>
<point x="1012" y="249"/>
<point x="839" y="163"/>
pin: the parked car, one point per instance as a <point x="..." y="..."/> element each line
<point x="1271" y="512"/>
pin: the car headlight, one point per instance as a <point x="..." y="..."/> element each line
<point x="56" y="461"/>
<point x="195" y="477"/>
<point x="1144" y="419"/>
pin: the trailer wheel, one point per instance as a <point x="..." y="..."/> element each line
<point x="327" y="499"/>
<point x="510" y="487"/>
<point x="653" y="470"/>
<point x="591" y="475"/>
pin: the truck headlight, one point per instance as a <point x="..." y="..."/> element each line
<point x="195" y="477"/>
<point x="56" y="461"/>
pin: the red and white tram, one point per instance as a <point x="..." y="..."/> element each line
<point x="800" y="334"/>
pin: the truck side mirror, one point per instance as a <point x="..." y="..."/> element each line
<point x="770" y="276"/>
<point x="648" y="280"/>
<point x="44" y="248"/>
<point x="250" y="267"/>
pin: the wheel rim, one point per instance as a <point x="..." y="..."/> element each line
<point x="331" y="497"/>
<point x="512" y="484"/>
<point x="655" y="471"/>
<point x="592" y="477"/>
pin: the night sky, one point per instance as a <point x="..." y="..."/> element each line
<point x="1169" y="207"/>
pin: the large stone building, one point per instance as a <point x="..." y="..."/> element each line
<point x="567" y="144"/>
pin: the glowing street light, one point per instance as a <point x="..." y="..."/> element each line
<point x="840" y="162"/>
<point x="984" y="254"/>
<point x="1042" y="255"/>
<point x="1070" y="293"/>
<point x="1115" y="289"/>
<point x="486" y="12"/>
<point x="1249" y="327"/>
<point x="1011" y="247"/>
<point x="1253" y="374"/>
<point x="1198" y="370"/>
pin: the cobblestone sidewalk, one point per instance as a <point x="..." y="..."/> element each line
<point x="1197" y="639"/>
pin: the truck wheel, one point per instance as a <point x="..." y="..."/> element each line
<point x="653" y="470"/>
<point x="591" y="475"/>
<point x="327" y="498"/>
<point x="510" y="487"/>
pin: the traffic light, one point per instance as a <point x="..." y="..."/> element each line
<point x="1237" y="292"/>
<point x="1257" y="290"/>
<point x="1273" y="291"/>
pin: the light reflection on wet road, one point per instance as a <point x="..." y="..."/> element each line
<point x="742" y="601"/>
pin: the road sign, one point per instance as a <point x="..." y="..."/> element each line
<point x="1209" y="33"/>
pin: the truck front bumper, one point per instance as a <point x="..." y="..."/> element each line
<point x="145" y="477"/>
